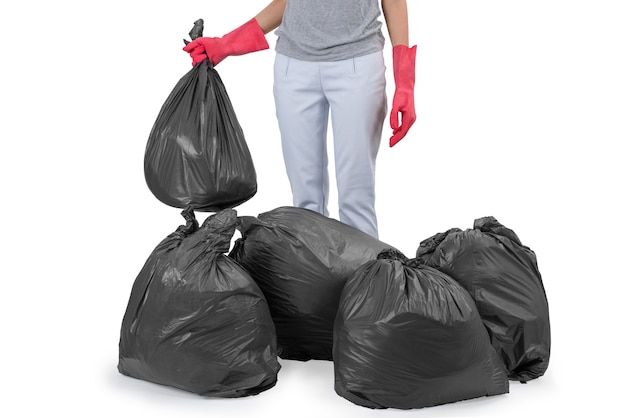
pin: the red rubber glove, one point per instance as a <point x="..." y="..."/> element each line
<point x="404" y="98"/>
<point x="249" y="37"/>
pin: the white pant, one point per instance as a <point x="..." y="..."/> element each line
<point x="354" y="92"/>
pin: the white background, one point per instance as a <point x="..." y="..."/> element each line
<point x="521" y="115"/>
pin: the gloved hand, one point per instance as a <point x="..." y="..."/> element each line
<point x="404" y="98"/>
<point x="249" y="37"/>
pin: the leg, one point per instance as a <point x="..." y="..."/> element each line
<point x="302" y="112"/>
<point x="356" y="92"/>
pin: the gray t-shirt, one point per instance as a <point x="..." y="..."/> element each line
<point x="330" y="30"/>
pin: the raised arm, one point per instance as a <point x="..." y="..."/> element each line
<point x="249" y="37"/>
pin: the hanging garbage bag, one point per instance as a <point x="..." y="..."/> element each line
<point x="301" y="259"/>
<point x="196" y="320"/>
<point x="409" y="336"/>
<point x="196" y="153"/>
<point x="503" y="278"/>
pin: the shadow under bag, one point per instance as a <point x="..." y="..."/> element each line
<point x="196" y="320"/>
<point x="503" y="278"/>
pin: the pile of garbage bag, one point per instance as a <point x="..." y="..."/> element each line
<point x="213" y="315"/>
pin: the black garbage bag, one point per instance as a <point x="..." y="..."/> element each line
<point x="196" y="320"/>
<point x="409" y="336"/>
<point x="301" y="259"/>
<point x="196" y="153"/>
<point x="503" y="278"/>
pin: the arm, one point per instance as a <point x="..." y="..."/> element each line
<point x="402" y="114"/>
<point x="249" y="37"/>
<point x="270" y="17"/>
<point x="397" y="19"/>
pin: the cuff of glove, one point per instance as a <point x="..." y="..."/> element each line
<point x="247" y="38"/>
<point x="404" y="64"/>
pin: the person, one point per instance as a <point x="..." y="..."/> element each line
<point x="329" y="61"/>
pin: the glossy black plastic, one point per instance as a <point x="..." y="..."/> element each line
<point x="196" y="155"/>
<point x="301" y="259"/>
<point x="409" y="336"/>
<point x="196" y="320"/>
<point x="502" y="276"/>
